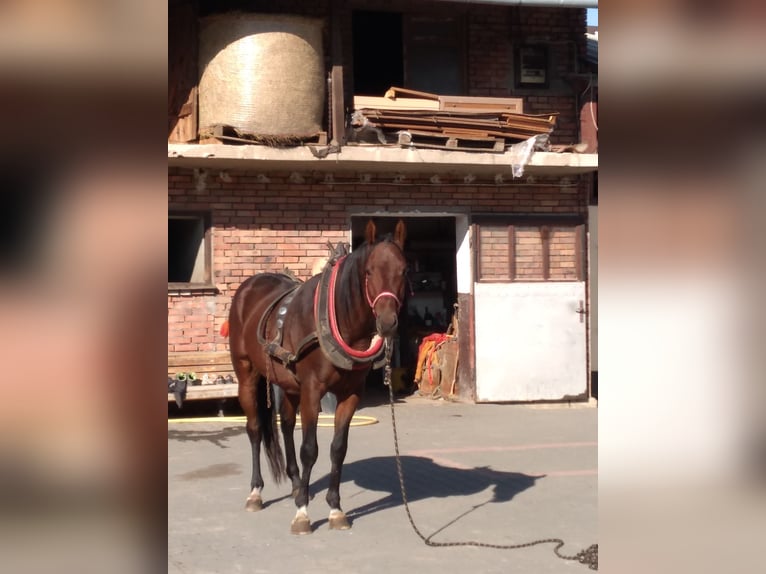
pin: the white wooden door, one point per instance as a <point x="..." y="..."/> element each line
<point x="530" y="334"/>
<point x="530" y="341"/>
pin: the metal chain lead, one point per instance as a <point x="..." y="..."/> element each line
<point x="588" y="556"/>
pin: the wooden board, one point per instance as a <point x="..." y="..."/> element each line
<point x="199" y="358"/>
<point x="182" y="72"/>
<point x="475" y="104"/>
<point x="448" y="361"/>
<point x="426" y="101"/>
<point x="393" y="91"/>
<point x="212" y="363"/>
<point x="205" y="392"/>
<point x="459" y="142"/>
<point x="361" y="102"/>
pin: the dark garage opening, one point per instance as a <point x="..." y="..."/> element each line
<point x="429" y="305"/>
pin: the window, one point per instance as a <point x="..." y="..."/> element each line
<point x="550" y="250"/>
<point x="189" y="251"/>
<point x="434" y="54"/>
<point x="378" y="56"/>
<point x="423" y="52"/>
<point x="531" y="67"/>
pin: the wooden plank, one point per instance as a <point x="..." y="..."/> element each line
<point x="201" y="392"/>
<point x="408" y="127"/>
<point x="428" y="114"/>
<point x="453" y="143"/>
<point x="338" y="120"/>
<point x="182" y="72"/>
<point x="493" y="149"/>
<point x="361" y="102"/>
<point x="466" y="103"/>
<point x="435" y="121"/>
<point x="446" y="135"/>
<point x="393" y="91"/>
<point x="199" y="358"/>
<point x="531" y="124"/>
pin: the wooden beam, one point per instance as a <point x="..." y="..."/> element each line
<point x="203" y="392"/>
<point x="393" y="91"/>
<point x="338" y="119"/>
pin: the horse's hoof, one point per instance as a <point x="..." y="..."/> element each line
<point x="339" y="522"/>
<point x="300" y="525"/>
<point x="254" y="504"/>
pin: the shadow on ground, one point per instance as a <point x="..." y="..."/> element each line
<point x="423" y="479"/>
<point x="216" y="436"/>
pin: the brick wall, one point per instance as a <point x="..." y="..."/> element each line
<point x="272" y="221"/>
<point x="491" y="35"/>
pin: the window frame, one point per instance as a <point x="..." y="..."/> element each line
<point x="541" y="51"/>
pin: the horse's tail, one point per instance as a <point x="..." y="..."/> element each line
<point x="225" y="329"/>
<point x="267" y="416"/>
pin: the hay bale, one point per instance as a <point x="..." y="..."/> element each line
<point x="262" y="74"/>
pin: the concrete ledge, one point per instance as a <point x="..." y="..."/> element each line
<point x="375" y="158"/>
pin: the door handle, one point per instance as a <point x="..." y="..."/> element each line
<point x="581" y="311"/>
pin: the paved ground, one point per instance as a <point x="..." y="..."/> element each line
<point x="500" y="474"/>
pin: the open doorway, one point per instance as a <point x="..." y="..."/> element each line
<point x="429" y="304"/>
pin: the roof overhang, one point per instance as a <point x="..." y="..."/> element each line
<point x="375" y="159"/>
<point x="546" y="3"/>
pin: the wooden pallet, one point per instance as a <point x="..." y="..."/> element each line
<point x="227" y="134"/>
<point x="212" y="363"/>
<point x="450" y="141"/>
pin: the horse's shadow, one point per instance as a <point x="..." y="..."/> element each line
<point x="216" y="436"/>
<point x="424" y="479"/>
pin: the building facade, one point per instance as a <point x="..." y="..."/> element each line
<point x="499" y="242"/>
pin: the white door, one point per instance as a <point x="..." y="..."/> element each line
<point x="530" y="317"/>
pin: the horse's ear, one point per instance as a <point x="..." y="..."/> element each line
<point x="400" y="234"/>
<point x="369" y="232"/>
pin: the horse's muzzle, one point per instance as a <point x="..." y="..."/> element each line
<point x="387" y="324"/>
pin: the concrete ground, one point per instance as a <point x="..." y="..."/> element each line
<point x="498" y="474"/>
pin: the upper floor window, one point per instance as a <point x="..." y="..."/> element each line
<point x="423" y="52"/>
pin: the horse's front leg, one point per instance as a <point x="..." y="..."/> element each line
<point x="309" y="408"/>
<point x="344" y="412"/>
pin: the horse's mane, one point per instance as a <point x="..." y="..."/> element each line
<point x="349" y="286"/>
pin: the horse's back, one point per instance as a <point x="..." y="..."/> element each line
<point x="256" y="292"/>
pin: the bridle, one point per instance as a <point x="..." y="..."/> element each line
<point x="371" y="302"/>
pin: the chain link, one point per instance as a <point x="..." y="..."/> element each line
<point x="588" y="556"/>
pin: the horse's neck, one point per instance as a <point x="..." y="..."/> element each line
<point x="355" y="319"/>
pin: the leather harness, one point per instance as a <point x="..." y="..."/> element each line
<point x="333" y="347"/>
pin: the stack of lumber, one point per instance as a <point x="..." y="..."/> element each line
<point x="420" y="119"/>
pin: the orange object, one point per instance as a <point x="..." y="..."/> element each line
<point x="225" y="329"/>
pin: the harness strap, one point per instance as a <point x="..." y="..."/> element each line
<point x="337" y="351"/>
<point x="274" y="347"/>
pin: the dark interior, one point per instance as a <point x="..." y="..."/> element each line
<point x="428" y="306"/>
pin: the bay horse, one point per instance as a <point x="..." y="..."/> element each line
<point x="309" y="338"/>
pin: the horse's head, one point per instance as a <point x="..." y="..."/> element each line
<point x="384" y="280"/>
